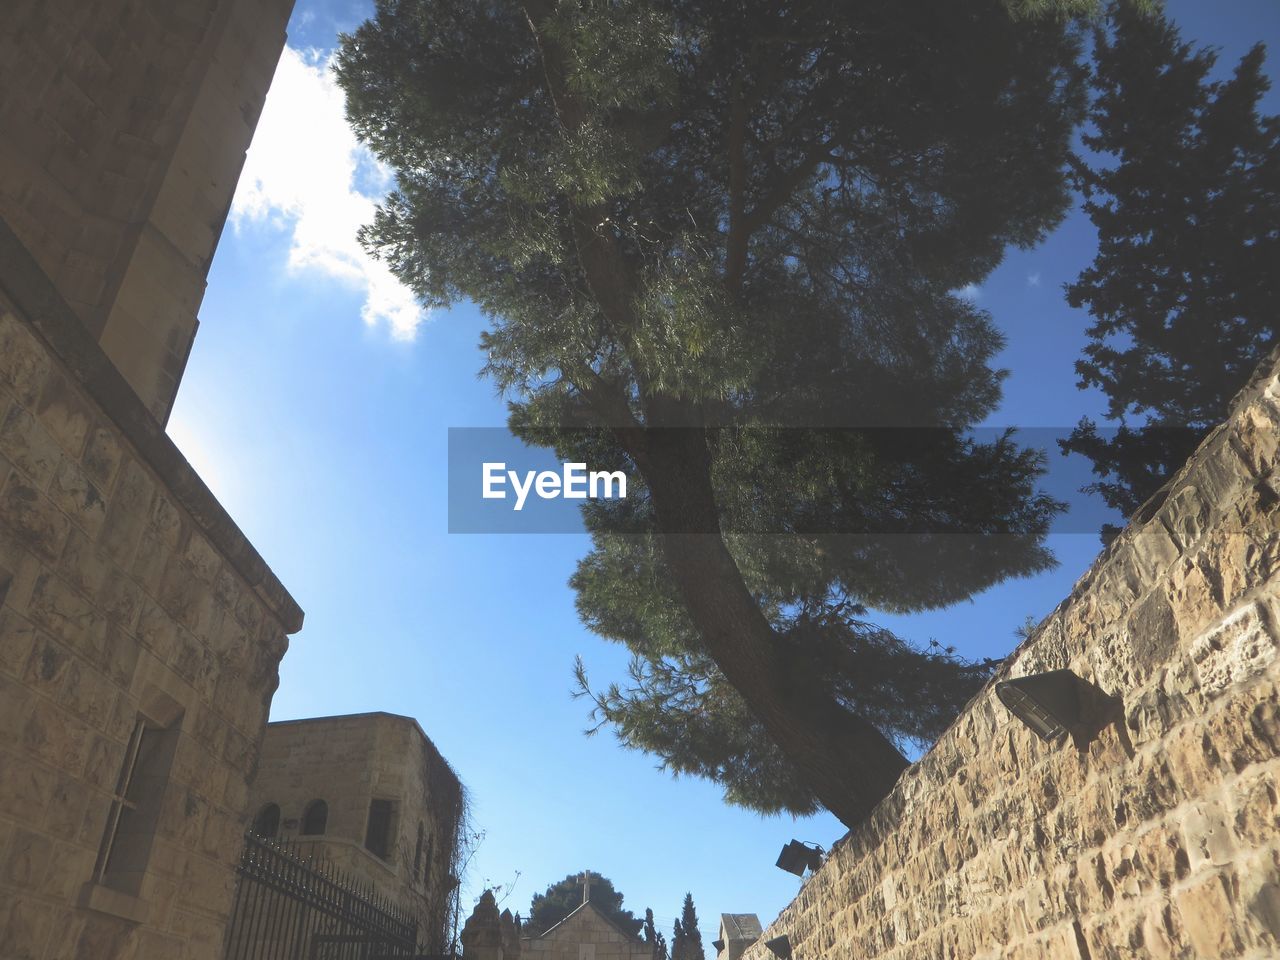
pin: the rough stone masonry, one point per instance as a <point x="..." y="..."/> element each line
<point x="1162" y="838"/>
<point x="140" y="632"/>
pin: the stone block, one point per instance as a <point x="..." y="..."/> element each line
<point x="121" y="601"/>
<point x="107" y="936"/>
<point x="88" y="695"/>
<point x="79" y="499"/>
<point x="29" y="447"/>
<point x="1256" y="803"/>
<point x="65" y="414"/>
<point x="26" y="860"/>
<point x="23" y="362"/>
<point x="56" y="738"/>
<point x="206" y="885"/>
<point x="1208" y="915"/>
<point x="46" y="667"/>
<point x="83" y="566"/>
<point x="33" y="517"/>
<point x="127" y="514"/>
<point x="18" y="636"/>
<point x="68" y="925"/>
<point x="26" y="787"/>
<point x="188" y="600"/>
<point x="1235" y="650"/>
<point x="61" y="611"/>
<point x="150" y="562"/>
<point x="1264" y="911"/>
<point x="103" y="456"/>
<point x="104" y="758"/>
<point x="25" y="928"/>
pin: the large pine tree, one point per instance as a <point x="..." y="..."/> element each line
<point x="727" y="237"/>
<point x="1184" y="189"/>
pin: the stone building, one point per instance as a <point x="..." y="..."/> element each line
<point x="585" y="934"/>
<point x="369" y="795"/>
<point x="737" y="932"/>
<point x="140" y="632"/>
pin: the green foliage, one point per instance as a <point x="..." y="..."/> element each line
<point x="679" y="942"/>
<point x="562" y="898"/>
<point x="728" y="238"/>
<point x="656" y="941"/>
<point x="690" y="935"/>
<point x="1184" y="291"/>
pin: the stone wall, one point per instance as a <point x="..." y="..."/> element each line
<point x="125" y="128"/>
<point x="347" y="762"/>
<point x="133" y="613"/>
<point x="1162" y="838"/>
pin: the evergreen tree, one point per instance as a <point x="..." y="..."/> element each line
<point x="657" y="942"/>
<point x="679" y="943"/>
<point x="689" y="926"/>
<point x="562" y="898"/>
<point x="727" y="239"/>
<point x="1185" y="288"/>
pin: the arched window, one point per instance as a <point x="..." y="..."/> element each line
<point x="417" y="853"/>
<point x="315" y="818"/>
<point x="267" y="822"/>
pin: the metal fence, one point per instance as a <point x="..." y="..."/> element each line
<point x="291" y="907"/>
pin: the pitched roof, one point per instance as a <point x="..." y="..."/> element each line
<point x="580" y="909"/>
<point x="741" y="926"/>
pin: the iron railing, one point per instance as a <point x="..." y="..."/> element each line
<point x="292" y="907"/>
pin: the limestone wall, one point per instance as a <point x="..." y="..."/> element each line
<point x="126" y="595"/>
<point x="1163" y="838"/>
<point x="125" y="124"/>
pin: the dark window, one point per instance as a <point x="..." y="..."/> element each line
<point x="417" y="852"/>
<point x="135" y="807"/>
<point x="267" y="822"/>
<point x="315" y="818"/>
<point x="377" y="836"/>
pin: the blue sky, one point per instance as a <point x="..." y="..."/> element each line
<point x="317" y="404"/>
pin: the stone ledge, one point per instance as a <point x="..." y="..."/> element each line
<point x="54" y="322"/>
<point x="94" y="896"/>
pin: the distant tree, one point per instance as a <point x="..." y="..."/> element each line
<point x="689" y="926"/>
<point x="704" y="230"/>
<point x="679" y="944"/>
<point x="650" y="931"/>
<point x="1185" y="287"/>
<point x="656" y="940"/>
<point x="562" y="898"/>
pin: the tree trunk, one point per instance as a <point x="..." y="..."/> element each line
<point x="848" y="763"/>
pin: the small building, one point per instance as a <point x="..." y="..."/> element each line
<point x="586" y="934"/>
<point x="371" y="798"/>
<point x="737" y="932"/>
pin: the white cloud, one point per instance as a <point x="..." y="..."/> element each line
<point x="1033" y="279"/>
<point x="970" y="292"/>
<point x="307" y="174"/>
